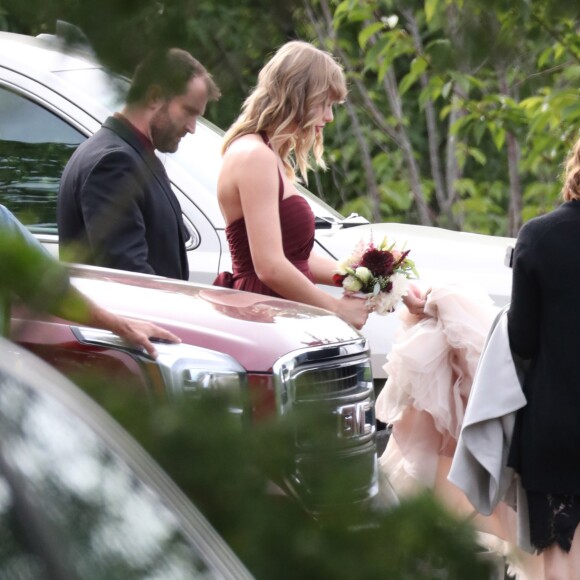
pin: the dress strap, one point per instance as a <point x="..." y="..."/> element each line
<point x="280" y="180"/>
<point x="265" y="138"/>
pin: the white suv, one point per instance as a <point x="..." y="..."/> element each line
<point x="51" y="101"/>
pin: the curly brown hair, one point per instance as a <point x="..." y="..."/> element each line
<point x="571" y="187"/>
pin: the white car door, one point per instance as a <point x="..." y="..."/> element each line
<point x="39" y="130"/>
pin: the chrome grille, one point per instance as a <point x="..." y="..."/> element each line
<point x="327" y="393"/>
<point x="314" y="383"/>
<point x="334" y="384"/>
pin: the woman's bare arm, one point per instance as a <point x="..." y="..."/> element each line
<point x="254" y="170"/>
<point x="322" y="268"/>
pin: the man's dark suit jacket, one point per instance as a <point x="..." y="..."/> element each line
<point x="116" y="207"/>
<point x="544" y="327"/>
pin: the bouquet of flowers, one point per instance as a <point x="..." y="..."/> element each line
<point x="380" y="272"/>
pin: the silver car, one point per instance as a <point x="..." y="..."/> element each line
<point x="50" y="101"/>
<point x="80" y="499"/>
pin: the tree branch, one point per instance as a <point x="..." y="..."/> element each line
<point x="513" y="157"/>
<point x="430" y="117"/>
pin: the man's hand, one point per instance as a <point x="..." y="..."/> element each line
<point x="140" y="333"/>
<point x="137" y="332"/>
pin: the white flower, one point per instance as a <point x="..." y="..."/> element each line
<point x="400" y="285"/>
<point x="344" y="267"/>
<point x="363" y="274"/>
<point x="351" y="284"/>
<point x="386" y="302"/>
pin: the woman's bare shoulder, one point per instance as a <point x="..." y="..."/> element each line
<point x="249" y="169"/>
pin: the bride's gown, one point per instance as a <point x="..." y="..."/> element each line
<point x="431" y="368"/>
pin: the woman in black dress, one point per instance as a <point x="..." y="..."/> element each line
<point x="544" y="327"/>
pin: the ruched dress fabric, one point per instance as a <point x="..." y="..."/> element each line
<point x="297" y="226"/>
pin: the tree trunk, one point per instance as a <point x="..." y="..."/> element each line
<point x="371" y="178"/>
<point x="513" y="159"/>
<point x="392" y="91"/>
<point x="432" y="131"/>
<point x="451" y="165"/>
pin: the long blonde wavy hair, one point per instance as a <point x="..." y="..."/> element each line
<point x="292" y="84"/>
<point x="571" y="188"/>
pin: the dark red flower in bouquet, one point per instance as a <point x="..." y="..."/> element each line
<point x="379" y="262"/>
<point x="378" y="272"/>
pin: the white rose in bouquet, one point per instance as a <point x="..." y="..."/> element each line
<point x="352" y="284"/>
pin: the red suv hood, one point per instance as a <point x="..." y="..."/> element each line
<point x="254" y="329"/>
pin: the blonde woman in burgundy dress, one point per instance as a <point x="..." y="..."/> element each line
<point x="269" y="224"/>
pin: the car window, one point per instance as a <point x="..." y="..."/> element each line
<point x="67" y="499"/>
<point x="35" y="145"/>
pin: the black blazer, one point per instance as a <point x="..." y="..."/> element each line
<point x="116" y="208"/>
<point x="544" y="326"/>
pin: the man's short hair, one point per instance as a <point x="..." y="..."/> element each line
<point x="170" y="69"/>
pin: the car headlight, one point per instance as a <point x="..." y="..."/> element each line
<point x="186" y="369"/>
<point x="191" y="369"/>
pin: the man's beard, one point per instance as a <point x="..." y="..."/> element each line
<point x="164" y="135"/>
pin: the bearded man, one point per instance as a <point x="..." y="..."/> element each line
<point x="115" y="205"/>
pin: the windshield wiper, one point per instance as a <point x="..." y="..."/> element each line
<point x="323" y="223"/>
<point x="354" y="220"/>
<point x="326" y="223"/>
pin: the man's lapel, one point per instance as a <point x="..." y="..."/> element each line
<point x="151" y="160"/>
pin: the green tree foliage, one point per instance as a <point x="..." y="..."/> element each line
<point x="232" y="39"/>
<point x="225" y="470"/>
<point x="460" y="113"/>
<point x="468" y="108"/>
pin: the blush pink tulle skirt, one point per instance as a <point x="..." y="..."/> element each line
<point x="431" y="368"/>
